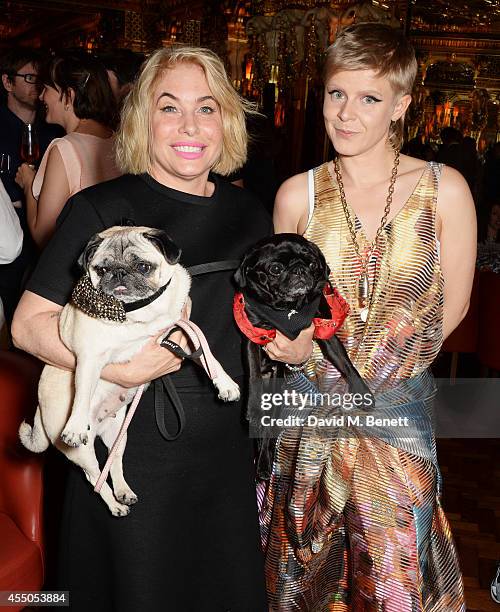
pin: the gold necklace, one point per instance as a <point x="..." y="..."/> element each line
<point x="364" y="293"/>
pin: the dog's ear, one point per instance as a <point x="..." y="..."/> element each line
<point x="89" y="251"/>
<point x="327" y="269"/>
<point x="240" y="276"/>
<point x="165" y="245"/>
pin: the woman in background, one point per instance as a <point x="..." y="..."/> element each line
<point x="78" y="97"/>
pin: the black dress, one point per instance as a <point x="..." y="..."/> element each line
<point x="191" y="543"/>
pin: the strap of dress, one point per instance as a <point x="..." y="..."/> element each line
<point x="72" y="163"/>
<point x="436" y="169"/>
<point x="310" y="193"/>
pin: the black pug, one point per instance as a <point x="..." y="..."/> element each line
<point x="283" y="284"/>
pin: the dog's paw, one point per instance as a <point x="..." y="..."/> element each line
<point x="73" y="438"/>
<point x="227" y="388"/>
<point x="119" y="509"/>
<point x="126" y="496"/>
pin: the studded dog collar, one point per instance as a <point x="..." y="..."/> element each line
<point x="97" y="304"/>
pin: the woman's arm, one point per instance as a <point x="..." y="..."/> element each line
<point x="291" y="211"/>
<point x="457" y="232"/>
<point x="11" y="234"/>
<point x="291" y="207"/>
<point x="35" y="329"/>
<point x="42" y="214"/>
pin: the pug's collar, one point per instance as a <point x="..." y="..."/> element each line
<point x="97" y="304"/>
<point x="291" y="323"/>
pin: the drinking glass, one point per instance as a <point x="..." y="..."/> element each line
<point x="5" y="164"/>
<point x="30" y="150"/>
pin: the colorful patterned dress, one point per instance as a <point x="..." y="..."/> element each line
<point x="352" y="520"/>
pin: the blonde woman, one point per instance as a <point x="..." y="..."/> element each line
<point x="352" y="517"/>
<point x="192" y="542"/>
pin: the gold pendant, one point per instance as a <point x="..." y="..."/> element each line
<point x="363" y="289"/>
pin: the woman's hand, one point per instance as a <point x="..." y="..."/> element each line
<point x="24" y="177"/>
<point x="152" y="361"/>
<point x="292" y="351"/>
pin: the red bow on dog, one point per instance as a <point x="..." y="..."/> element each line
<point x="324" y="328"/>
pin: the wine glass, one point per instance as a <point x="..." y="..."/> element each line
<point x="5" y="164"/>
<point x="30" y="149"/>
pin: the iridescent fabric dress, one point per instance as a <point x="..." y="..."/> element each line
<point x="352" y="520"/>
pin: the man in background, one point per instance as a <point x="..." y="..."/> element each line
<point x="20" y="105"/>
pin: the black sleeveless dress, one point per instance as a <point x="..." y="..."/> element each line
<point x="191" y="543"/>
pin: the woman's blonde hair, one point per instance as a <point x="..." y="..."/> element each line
<point x="378" y="47"/>
<point x="134" y="138"/>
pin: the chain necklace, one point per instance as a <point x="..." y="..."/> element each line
<point x="364" y="293"/>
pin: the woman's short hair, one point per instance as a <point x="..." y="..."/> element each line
<point x="88" y="78"/>
<point x="134" y="139"/>
<point x="378" y="47"/>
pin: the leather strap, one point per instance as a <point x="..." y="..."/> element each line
<point x="164" y="387"/>
<point x="214" y="266"/>
<point x="178" y="350"/>
<point x="131" y="306"/>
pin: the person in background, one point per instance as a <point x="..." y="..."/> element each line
<point x="352" y="516"/>
<point x="11" y="236"/>
<point x="122" y="66"/>
<point x="490" y="191"/>
<point x="20" y="87"/>
<point x="488" y="248"/>
<point x="457" y="154"/>
<point x="78" y="97"/>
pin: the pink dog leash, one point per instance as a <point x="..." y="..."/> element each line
<point x="119" y="438"/>
<point x="209" y="364"/>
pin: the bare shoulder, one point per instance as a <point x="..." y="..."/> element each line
<point x="292" y="205"/>
<point x="455" y="211"/>
<point x="454" y="193"/>
<point x="293" y="189"/>
<point x="410" y="166"/>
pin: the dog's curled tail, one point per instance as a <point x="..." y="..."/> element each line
<point x="34" y="438"/>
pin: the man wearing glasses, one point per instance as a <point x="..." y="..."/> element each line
<point x="20" y="105"/>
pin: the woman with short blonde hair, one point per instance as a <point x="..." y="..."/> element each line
<point x="352" y="518"/>
<point x="382" y="49"/>
<point x="191" y="542"/>
<point x="133" y="143"/>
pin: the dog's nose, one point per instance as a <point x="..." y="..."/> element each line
<point x="119" y="274"/>
<point x="299" y="270"/>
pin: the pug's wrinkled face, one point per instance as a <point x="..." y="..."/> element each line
<point x="130" y="264"/>
<point x="282" y="271"/>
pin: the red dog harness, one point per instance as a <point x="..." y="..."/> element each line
<point x="324" y="328"/>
